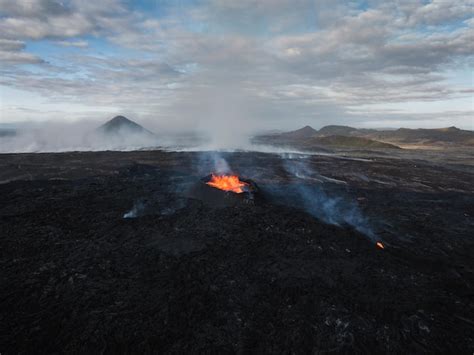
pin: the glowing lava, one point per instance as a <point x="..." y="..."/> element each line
<point x="227" y="183"/>
<point x="380" y="245"/>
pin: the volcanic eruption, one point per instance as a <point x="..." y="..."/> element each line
<point x="227" y="183"/>
<point x="223" y="189"/>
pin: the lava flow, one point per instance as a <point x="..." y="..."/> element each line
<point x="227" y="183"/>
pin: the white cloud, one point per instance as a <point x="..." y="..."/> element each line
<point x="439" y="12"/>
<point x="301" y="59"/>
<point x="12" y="52"/>
<point x="15" y="57"/>
<point x="39" y="19"/>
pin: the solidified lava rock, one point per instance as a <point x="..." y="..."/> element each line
<point x="248" y="278"/>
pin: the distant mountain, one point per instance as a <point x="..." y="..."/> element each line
<point x="436" y="136"/>
<point x="342" y="131"/>
<point x="307" y="138"/>
<point x="305" y="132"/>
<point x="350" y="142"/>
<point x="122" y="125"/>
<point x="350" y="137"/>
<point x="286" y="138"/>
<point x="420" y="136"/>
<point x="336" y="130"/>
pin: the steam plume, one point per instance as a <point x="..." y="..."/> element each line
<point x="316" y="201"/>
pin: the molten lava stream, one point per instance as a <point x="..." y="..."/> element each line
<point x="227" y="183"/>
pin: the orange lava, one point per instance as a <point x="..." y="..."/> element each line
<point x="380" y="245"/>
<point x="227" y="183"/>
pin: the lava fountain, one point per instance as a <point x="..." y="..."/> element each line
<point x="224" y="190"/>
<point x="228" y="183"/>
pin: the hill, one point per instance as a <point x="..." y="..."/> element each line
<point x="420" y="136"/>
<point x="330" y="136"/>
<point x="346" y="137"/>
<point x="442" y="136"/>
<point x="350" y="142"/>
<point x="305" y="132"/>
<point x="121" y="124"/>
<point x="336" y="130"/>
<point x="120" y="133"/>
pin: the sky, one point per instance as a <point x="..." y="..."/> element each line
<point x="261" y="64"/>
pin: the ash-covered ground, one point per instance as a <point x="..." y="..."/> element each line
<point x="297" y="271"/>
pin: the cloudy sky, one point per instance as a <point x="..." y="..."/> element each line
<point x="266" y="63"/>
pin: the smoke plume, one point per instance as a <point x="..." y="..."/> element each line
<point x="307" y="190"/>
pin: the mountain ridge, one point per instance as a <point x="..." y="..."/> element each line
<point x="347" y="136"/>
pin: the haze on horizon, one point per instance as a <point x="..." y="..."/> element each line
<point x="238" y="65"/>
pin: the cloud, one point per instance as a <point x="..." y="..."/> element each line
<point x="257" y="16"/>
<point x="11" y="45"/>
<point x="39" y="19"/>
<point x="355" y="44"/>
<point x="14" y="57"/>
<point x="441" y="12"/>
<point x="283" y="61"/>
<point x="33" y="8"/>
<point x="12" y="52"/>
<point x="77" y="44"/>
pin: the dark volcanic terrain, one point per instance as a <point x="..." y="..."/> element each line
<point x="260" y="277"/>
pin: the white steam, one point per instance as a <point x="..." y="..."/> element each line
<point x="136" y="210"/>
<point x="315" y="200"/>
<point x="77" y="136"/>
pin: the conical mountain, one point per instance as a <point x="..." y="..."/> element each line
<point x="121" y="124"/>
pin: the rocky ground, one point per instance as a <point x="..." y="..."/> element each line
<point x="271" y="276"/>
